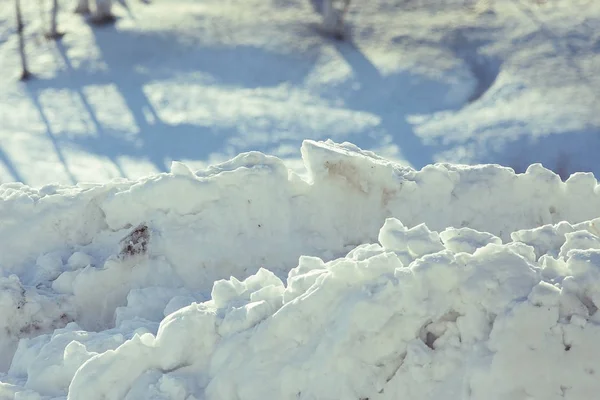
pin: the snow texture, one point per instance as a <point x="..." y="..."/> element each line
<point x="244" y="281"/>
<point x="512" y="82"/>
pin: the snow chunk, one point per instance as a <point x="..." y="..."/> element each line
<point x="579" y="240"/>
<point x="414" y="242"/>
<point x="28" y="312"/>
<point x="180" y="169"/>
<point x="466" y="239"/>
<point x="79" y="260"/>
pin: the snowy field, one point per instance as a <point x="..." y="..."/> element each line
<point x="370" y="281"/>
<point x="422" y="81"/>
<point x="325" y="270"/>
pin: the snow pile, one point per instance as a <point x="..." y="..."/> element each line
<point x="188" y="286"/>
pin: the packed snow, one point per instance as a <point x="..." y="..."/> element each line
<point x="245" y="281"/>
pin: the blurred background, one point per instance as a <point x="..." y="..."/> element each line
<point x="122" y="89"/>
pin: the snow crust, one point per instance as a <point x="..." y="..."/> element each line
<point x="363" y="280"/>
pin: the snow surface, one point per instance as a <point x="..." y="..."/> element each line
<point x="244" y="281"/>
<point x="337" y="274"/>
<point x="507" y="81"/>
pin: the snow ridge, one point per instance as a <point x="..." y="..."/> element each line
<point x="479" y="276"/>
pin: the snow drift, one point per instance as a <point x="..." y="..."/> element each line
<point x="451" y="282"/>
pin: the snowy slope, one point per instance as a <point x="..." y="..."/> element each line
<point x="244" y="281"/>
<point x="510" y="82"/>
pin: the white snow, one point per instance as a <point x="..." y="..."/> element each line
<point x="512" y="82"/>
<point x="194" y="266"/>
<point x="246" y="281"/>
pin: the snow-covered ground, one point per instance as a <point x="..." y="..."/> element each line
<point x="509" y="81"/>
<point x="246" y="282"/>
<point x="329" y="273"/>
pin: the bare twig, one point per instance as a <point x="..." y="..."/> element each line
<point x="83" y="7"/>
<point x="54" y="33"/>
<point x="25" y="74"/>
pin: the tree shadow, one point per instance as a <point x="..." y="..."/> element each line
<point x="567" y="44"/>
<point x="563" y="152"/>
<point x="393" y="98"/>
<point x="4" y="159"/>
<point x="139" y="59"/>
<point x="50" y="133"/>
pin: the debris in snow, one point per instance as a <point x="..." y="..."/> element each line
<point x="136" y="242"/>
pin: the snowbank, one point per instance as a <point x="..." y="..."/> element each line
<point x="127" y="290"/>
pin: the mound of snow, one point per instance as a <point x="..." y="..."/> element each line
<point x="484" y="284"/>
